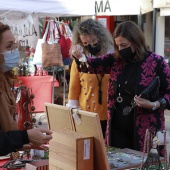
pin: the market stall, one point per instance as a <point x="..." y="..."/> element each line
<point x="23" y="18"/>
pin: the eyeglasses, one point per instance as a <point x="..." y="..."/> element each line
<point x="128" y="109"/>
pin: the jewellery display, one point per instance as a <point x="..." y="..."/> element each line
<point x="25" y="108"/>
<point x="124" y="158"/>
<point x="153" y="160"/>
<point x="100" y="90"/>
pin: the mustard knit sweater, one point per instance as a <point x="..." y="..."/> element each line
<point x="83" y="87"/>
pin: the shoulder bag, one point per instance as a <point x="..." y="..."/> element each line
<point x="151" y="92"/>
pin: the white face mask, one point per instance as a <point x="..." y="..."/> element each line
<point x="11" y="59"/>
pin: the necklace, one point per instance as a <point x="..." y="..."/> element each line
<point x="119" y="99"/>
<point x="100" y="90"/>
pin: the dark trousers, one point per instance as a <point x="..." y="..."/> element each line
<point x="121" y="140"/>
<point x="103" y="126"/>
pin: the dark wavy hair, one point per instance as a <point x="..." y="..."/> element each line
<point x="9" y="74"/>
<point x="132" y="32"/>
<point x="94" y="27"/>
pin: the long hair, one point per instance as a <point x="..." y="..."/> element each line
<point x="9" y="74"/>
<point x="93" y="27"/>
<point x="131" y="31"/>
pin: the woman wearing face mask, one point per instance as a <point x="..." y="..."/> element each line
<point x="10" y="137"/>
<point x="9" y="57"/>
<point x="89" y="91"/>
<point x="132" y="68"/>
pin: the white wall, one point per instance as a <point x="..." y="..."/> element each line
<point x="148" y="29"/>
<point x="160" y="34"/>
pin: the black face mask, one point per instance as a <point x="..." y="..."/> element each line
<point x="93" y="49"/>
<point x="127" y="54"/>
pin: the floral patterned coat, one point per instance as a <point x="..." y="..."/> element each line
<point x="153" y="65"/>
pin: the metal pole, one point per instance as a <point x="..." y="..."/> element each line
<point x="140" y="21"/>
<point x="154" y="29"/>
<point x="64" y="87"/>
<point x="53" y="86"/>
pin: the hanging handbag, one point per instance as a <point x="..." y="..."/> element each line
<point x="151" y="92"/>
<point x="64" y="42"/>
<point x="37" y="60"/>
<point x="51" y="50"/>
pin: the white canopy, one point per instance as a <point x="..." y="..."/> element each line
<point x="22" y="15"/>
<point x="164" y="6"/>
<point x="58" y="8"/>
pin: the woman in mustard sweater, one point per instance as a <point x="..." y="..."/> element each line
<point x="89" y="91"/>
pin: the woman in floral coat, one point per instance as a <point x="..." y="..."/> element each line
<point x="132" y="68"/>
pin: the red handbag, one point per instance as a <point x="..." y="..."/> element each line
<point x="65" y="43"/>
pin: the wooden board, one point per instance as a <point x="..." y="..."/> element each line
<point x="90" y="126"/>
<point x="58" y="117"/>
<point x="69" y="150"/>
<point x="86" y="123"/>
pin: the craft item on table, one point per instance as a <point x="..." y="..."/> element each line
<point x="13" y="164"/>
<point x="25" y="107"/>
<point x="153" y="160"/>
<point x="38" y="165"/>
<point x="121" y="159"/>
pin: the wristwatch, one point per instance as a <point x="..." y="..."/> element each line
<point x="162" y="102"/>
<point x="154" y="107"/>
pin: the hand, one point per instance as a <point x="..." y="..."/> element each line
<point x="143" y="103"/>
<point x="38" y="136"/>
<point x="31" y="146"/>
<point x="77" y="51"/>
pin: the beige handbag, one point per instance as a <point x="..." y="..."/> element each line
<point x="51" y="50"/>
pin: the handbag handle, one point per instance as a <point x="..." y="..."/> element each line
<point x="46" y="32"/>
<point x="50" y="27"/>
<point x="57" y="29"/>
<point x="52" y="39"/>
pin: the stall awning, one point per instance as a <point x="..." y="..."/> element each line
<point x="56" y="7"/>
<point x="164" y="11"/>
<point x="161" y="3"/>
<point x="122" y="7"/>
<point x="164" y="6"/>
<point x="146" y="6"/>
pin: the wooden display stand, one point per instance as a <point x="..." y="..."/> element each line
<point x="85" y="123"/>
<point x="69" y="150"/>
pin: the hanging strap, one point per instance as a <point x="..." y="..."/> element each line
<point x="46" y="32"/>
<point x="100" y="88"/>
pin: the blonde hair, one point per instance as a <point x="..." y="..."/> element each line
<point x="94" y="27"/>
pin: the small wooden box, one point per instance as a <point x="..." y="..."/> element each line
<point x="69" y="150"/>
